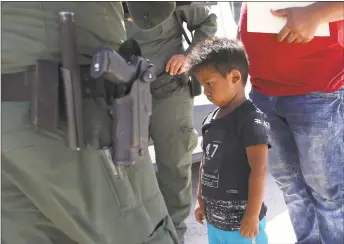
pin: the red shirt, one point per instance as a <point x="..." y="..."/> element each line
<point x="281" y="69"/>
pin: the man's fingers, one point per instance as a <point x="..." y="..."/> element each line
<point x="291" y="37"/>
<point x="280" y="12"/>
<point x="176" y="66"/>
<point x="299" y="40"/>
<point x="307" y="40"/>
<point x="173" y="65"/>
<point x="283" y="34"/>
<point x="181" y="70"/>
<point x="168" y="65"/>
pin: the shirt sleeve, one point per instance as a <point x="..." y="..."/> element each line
<point x="200" y="21"/>
<point x="255" y="129"/>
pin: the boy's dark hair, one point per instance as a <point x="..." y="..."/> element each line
<point x="221" y="53"/>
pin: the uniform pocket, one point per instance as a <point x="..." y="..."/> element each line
<point x="190" y="138"/>
<point x="163" y="233"/>
<point x="119" y="183"/>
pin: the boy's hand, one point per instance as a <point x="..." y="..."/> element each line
<point x="199" y="211"/>
<point x="249" y="226"/>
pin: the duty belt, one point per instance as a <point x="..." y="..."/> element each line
<point x="20" y="86"/>
<point x="43" y="86"/>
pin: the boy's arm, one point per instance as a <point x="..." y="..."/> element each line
<point x="199" y="208"/>
<point x="258" y="159"/>
<point x="255" y="135"/>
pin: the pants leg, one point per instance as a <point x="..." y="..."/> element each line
<point x="306" y="161"/>
<point x="284" y="165"/>
<point x="22" y="222"/>
<point x="174" y="140"/>
<point x="76" y="192"/>
<point x="317" y="123"/>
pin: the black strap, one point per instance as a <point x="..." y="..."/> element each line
<point x="182" y="27"/>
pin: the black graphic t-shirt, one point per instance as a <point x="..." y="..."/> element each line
<point x="226" y="170"/>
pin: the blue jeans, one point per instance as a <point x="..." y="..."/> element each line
<point x="217" y="236"/>
<point x="307" y="161"/>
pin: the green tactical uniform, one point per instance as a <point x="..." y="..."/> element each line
<point x="172" y="115"/>
<point x="51" y="194"/>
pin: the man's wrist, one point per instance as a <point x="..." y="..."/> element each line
<point x="325" y="12"/>
<point x="315" y="10"/>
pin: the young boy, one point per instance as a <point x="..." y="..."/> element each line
<point x="235" y="145"/>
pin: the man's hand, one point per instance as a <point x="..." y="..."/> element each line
<point x="249" y="226"/>
<point x="175" y="66"/>
<point x="301" y="24"/>
<point x="199" y="211"/>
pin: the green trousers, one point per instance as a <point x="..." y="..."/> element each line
<point x="52" y="195"/>
<point x="174" y="141"/>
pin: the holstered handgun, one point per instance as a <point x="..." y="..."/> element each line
<point x="131" y="103"/>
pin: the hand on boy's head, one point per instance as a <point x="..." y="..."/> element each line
<point x="249" y="226"/>
<point x="175" y="66"/>
<point x="300" y="27"/>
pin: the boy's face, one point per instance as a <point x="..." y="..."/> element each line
<point x="219" y="90"/>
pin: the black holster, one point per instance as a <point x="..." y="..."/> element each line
<point x="128" y="98"/>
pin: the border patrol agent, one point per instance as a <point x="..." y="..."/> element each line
<point x="51" y="194"/>
<point x="171" y="126"/>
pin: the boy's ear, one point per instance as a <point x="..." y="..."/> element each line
<point x="234" y="76"/>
